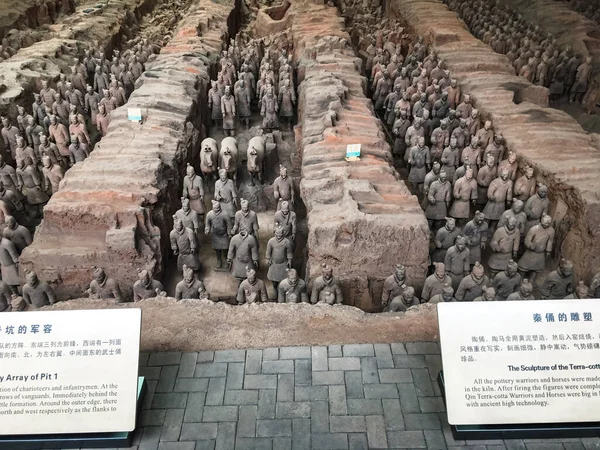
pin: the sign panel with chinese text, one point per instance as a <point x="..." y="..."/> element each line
<point x="521" y="362"/>
<point x="69" y="371"/>
<point x="352" y="152"/>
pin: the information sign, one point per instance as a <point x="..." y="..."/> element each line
<point x="353" y="152"/>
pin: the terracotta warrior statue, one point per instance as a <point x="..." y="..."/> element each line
<point x="446" y="296"/>
<point x="439" y="195"/>
<point x="228" y="111"/>
<point x="457" y="261"/>
<point x="507" y="281"/>
<point x="246" y="219"/>
<point x="53" y="174"/>
<point x="242" y="254"/>
<point x="252" y="289"/>
<point x="37" y="292"/>
<point x="190" y="287"/>
<point x="283" y="188"/>
<point x="471" y="286"/>
<point x="18" y="234"/>
<point x="488" y="294"/>
<point x="5" y="297"/>
<point x="184" y="245"/>
<point x="536" y="206"/>
<point x="189" y="217"/>
<point x="434" y="283"/>
<point x="581" y="292"/>
<point x="524" y="292"/>
<point x="327" y="289"/>
<point x="393" y="286"/>
<point x="538" y="242"/>
<point x="218" y="225"/>
<point x="465" y="194"/>
<point x="268" y="110"/>
<point x="444" y="239"/>
<point x="405" y="300"/>
<point x="280" y="254"/>
<point x="292" y="289"/>
<point x="476" y="232"/>
<point x="104" y="287"/>
<point x="226" y="194"/>
<point x="504" y="245"/>
<point x="193" y="189"/>
<point x="146" y="286"/>
<point x="559" y="283"/>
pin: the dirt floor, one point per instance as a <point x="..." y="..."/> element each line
<point x="194" y="325"/>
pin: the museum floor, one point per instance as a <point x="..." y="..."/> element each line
<point x="359" y="396"/>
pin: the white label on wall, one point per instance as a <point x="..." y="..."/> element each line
<point x="521" y="362"/>
<point x="69" y="371"/>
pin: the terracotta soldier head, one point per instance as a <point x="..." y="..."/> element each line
<point x="185" y="204"/>
<point x="408" y="295"/>
<point x="447" y="292"/>
<point x="285" y="207"/>
<point x="250" y="275"/>
<point x="188" y="274"/>
<point x="450" y="224"/>
<point x="488" y="293"/>
<point x="98" y="274"/>
<point x="582" y="291"/>
<point x="244" y="205"/>
<point x="542" y="191"/>
<point x="144" y="277"/>
<point x="46" y="161"/>
<point x="190" y="171"/>
<point x="327" y="272"/>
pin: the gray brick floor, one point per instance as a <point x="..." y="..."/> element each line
<point x="347" y="397"/>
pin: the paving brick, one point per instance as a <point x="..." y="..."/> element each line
<point x="358" y="350"/>
<point x="591" y="443"/>
<point x="295" y="353"/>
<point x="435" y="439"/>
<point x="225" y="436"/>
<point x="409" y="361"/>
<point x="319" y="417"/>
<point x="241" y="397"/>
<point x="273" y="428"/>
<point x="205" y="356"/>
<point x="198" y="431"/>
<point x="166" y="401"/>
<point x="302" y="372"/>
<point x="205" y="445"/>
<point x="284" y="443"/>
<point x="361" y="406"/>
<point x="253" y="361"/>
<point x="301" y="434"/>
<point x="334" y="351"/>
<point x="143" y="359"/>
<point x="337" y="400"/>
<point x="247" y="416"/>
<point x="220" y="414"/>
<point x="408" y="398"/>
<point x="432" y="404"/>
<point x="149" y="397"/>
<point x="270" y="354"/>
<point x="383" y="355"/>
<point x="345" y="363"/>
<point x="285" y="387"/>
<point x="209" y="370"/>
<point x="354" y="384"/>
<point x="370" y="373"/>
<point x="422" y="348"/>
<point x="227" y="356"/>
<point x="177" y="446"/>
<point x="395" y="375"/>
<point x="150" y="373"/>
<point x="545" y="446"/>
<point x="150" y="438"/>
<point x="398" y="349"/>
<point x="320" y="359"/>
<point x="187" y="365"/>
<point x="310" y="393"/>
<point x="153" y="417"/>
<point x="279" y="366"/>
<point x="406" y="439"/>
<point x="347" y="424"/>
<point x="191" y="385"/>
<point x="573" y="445"/>
<point x="166" y="381"/>
<point x="329" y="377"/>
<point x="422" y="382"/>
<point x="245" y="443"/>
<point x="329" y="441"/>
<point x="266" y="404"/>
<point x="235" y="376"/>
<point x="164" y="359"/>
<point x="392" y="414"/>
<point x="380" y="391"/>
<point x="434" y="364"/>
<point x="492" y="447"/>
<point x="215" y="392"/>
<point x="292" y="410"/>
<point x="428" y="421"/>
<point x="172" y="426"/>
<point x="357" y="441"/>
<point x="260" y="382"/>
<point x="195" y="407"/>
<point x="376" y="434"/>
<point x="448" y="433"/>
<point x="514" y="444"/>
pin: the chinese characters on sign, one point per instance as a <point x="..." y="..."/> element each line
<point x="69" y="371"/>
<point x="521" y="362"/>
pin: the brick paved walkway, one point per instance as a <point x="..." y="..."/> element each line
<point x="337" y="397"/>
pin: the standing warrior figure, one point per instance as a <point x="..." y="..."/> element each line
<point x="279" y="256"/>
<point x="193" y="189"/>
<point x="225" y="194"/>
<point x="228" y="112"/>
<point x="327" y="289"/>
<point x="37" y="292"/>
<point x="283" y="188"/>
<point x="184" y="245"/>
<point x="243" y="253"/>
<point x="268" y="110"/>
<point x="218" y="225"/>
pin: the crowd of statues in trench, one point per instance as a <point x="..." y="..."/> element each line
<point x="489" y="217"/>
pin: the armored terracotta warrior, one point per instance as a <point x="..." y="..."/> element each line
<point x="279" y="256"/>
<point x="243" y="253"/>
<point x="225" y="194"/>
<point x="471" y="286"/>
<point x="508" y="281"/>
<point x="439" y="194"/>
<point x="559" y="283"/>
<point x="524" y="292"/>
<point x="405" y="300"/>
<point x="18" y="234"/>
<point x="393" y="286"/>
<point x="292" y="289"/>
<point x="252" y="289"/>
<point x="488" y="294"/>
<point x="9" y="260"/>
<point x="286" y="219"/>
<point x="25" y="151"/>
<point x="485" y="176"/>
<point x="538" y="242"/>
<point x="581" y="292"/>
<point x="524" y="186"/>
<point x="400" y="129"/>
<point x="102" y="120"/>
<point x="193" y="189"/>
<point x="104" y="287"/>
<point x="499" y="195"/>
<point x="283" y="188"/>
<point x="5" y="297"/>
<point x="37" y="292"/>
<point x="29" y="182"/>
<point x="189" y="217"/>
<point x="190" y="286"/>
<point x="146" y="286"/>
<point x="287" y="101"/>
<point x="184" y="245"/>
<point x="516" y="211"/>
<point x="268" y="111"/>
<point x="246" y="219"/>
<point x="504" y="244"/>
<point x="536" y="206"/>
<point x="78" y="151"/>
<point x="446" y="296"/>
<point x="47" y="94"/>
<point x="444" y="239"/>
<point x="476" y="232"/>
<point x="228" y="112"/>
<point x="465" y="193"/>
<point x="218" y="225"/>
<point x="327" y="289"/>
<point x="435" y="282"/>
<point x="456" y="261"/>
